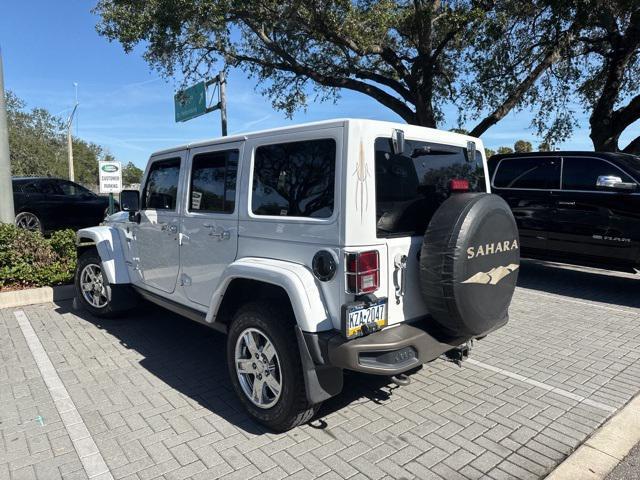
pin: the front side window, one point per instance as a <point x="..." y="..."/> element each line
<point x="295" y="179"/>
<point x="582" y="173"/>
<point x="534" y="173"/>
<point x="161" y="190"/>
<point x="213" y="182"/>
<point x="410" y="187"/>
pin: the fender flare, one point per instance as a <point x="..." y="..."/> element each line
<point x="297" y="281"/>
<point x="108" y="243"/>
<point x="321" y="381"/>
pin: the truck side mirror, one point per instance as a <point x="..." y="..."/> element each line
<point x="611" y="181"/>
<point x="129" y="200"/>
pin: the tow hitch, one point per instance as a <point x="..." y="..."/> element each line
<point x="460" y="353"/>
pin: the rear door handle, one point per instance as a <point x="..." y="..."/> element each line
<point x="567" y="204"/>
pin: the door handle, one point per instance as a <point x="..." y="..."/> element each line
<point x="173" y="229"/>
<point x="223" y="235"/>
<point x="567" y="204"/>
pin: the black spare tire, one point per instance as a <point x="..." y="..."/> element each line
<point x="469" y="263"/>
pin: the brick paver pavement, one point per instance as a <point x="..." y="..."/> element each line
<point x="153" y="391"/>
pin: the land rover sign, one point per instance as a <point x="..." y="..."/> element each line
<point x="110" y="177"/>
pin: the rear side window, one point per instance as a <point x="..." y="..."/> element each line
<point x="295" y="179"/>
<point x="49" y="187"/>
<point x="161" y="190"/>
<point x="213" y="182"/>
<point x="534" y="173"/>
<point x="410" y="187"/>
<point x="582" y="173"/>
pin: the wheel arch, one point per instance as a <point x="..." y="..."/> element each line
<point x="106" y="240"/>
<point x="280" y="281"/>
<point x="271" y="279"/>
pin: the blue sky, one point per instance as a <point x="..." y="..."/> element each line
<point x="128" y="109"/>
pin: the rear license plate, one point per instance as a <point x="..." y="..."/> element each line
<point x="361" y="314"/>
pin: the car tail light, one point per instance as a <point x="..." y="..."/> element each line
<point x="459" y="185"/>
<point x="363" y="272"/>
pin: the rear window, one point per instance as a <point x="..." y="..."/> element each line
<point x="410" y="187"/>
<point x="533" y="173"/>
<point x="295" y="179"/>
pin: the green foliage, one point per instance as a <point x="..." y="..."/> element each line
<point x="27" y="259"/>
<point x="544" y="147"/>
<point x="502" y="150"/>
<point x="38" y="145"/>
<point x="522" y="146"/>
<point x="488" y="153"/>
<point x="131" y="174"/>
<point x="412" y="57"/>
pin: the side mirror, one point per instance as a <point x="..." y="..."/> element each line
<point x="616" y="183"/>
<point x="129" y="200"/>
<point x="397" y="141"/>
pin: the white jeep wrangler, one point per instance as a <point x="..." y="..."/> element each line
<point x="344" y="244"/>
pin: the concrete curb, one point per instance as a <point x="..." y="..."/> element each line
<point x="607" y="447"/>
<point x="31" y="296"/>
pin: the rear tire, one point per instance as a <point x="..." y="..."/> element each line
<point x="272" y="333"/>
<point x="29" y="221"/>
<point x="94" y="292"/>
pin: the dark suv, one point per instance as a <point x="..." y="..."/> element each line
<point x="574" y="207"/>
<point x="45" y="204"/>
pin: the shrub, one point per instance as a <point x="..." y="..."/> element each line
<point x="27" y="259"/>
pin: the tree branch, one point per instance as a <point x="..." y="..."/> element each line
<point x="290" y="64"/>
<point x="625" y="116"/>
<point x="633" y="147"/>
<point x="514" y="97"/>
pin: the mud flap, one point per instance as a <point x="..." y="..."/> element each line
<point x="321" y="381"/>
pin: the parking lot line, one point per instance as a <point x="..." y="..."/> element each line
<point x="92" y="461"/>
<point x="535" y="383"/>
<point x="570" y="300"/>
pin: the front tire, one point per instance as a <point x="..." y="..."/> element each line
<point x="95" y="293"/>
<point x="265" y="369"/>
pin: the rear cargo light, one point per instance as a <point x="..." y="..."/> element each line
<point x="363" y="272"/>
<point x="459" y="185"/>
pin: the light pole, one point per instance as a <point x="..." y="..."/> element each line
<point x="70" y="141"/>
<point x="7" y="214"/>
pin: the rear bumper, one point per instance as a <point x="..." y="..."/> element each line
<point x="391" y="351"/>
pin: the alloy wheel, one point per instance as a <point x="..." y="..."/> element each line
<point x="92" y="285"/>
<point x="28" y="221"/>
<point x="258" y="368"/>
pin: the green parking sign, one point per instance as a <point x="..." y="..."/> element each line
<point x="191" y="102"/>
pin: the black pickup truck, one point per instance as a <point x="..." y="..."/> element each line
<point x="574" y="207"/>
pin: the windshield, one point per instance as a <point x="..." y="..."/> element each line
<point x="410" y="187"/>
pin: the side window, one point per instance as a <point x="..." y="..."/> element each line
<point x="161" y="190"/>
<point x="70" y="188"/>
<point x="30" y="188"/>
<point x="213" y="182"/>
<point x="582" y="173"/>
<point x="534" y="173"/>
<point x="49" y="187"/>
<point x="295" y="179"/>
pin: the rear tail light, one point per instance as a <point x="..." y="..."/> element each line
<point x="363" y="272"/>
<point x="459" y="185"/>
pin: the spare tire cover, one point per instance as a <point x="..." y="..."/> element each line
<point x="469" y="263"/>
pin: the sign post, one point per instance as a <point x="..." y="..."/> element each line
<point x="110" y="173"/>
<point x="192" y="102"/>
